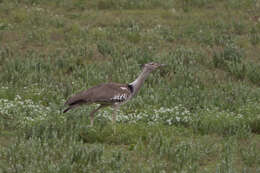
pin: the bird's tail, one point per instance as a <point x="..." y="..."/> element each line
<point x="73" y="104"/>
<point x="66" y="110"/>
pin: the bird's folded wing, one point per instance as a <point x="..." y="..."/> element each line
<point x="104" y="93"/>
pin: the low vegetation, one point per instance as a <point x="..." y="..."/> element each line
<point x="199" y="114"/>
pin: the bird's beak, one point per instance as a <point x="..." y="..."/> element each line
<point x="162" y="65"/>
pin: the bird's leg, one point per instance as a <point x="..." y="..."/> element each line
<point x="114" y="118"/>
<point x="114" y="114"/>
<point x="92" y="115"/>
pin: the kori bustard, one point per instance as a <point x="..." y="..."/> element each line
<point x="110" y="94"/>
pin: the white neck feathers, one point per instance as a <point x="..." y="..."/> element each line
<point x="139" y="81"/>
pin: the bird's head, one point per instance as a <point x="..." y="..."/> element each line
<point x="152" y="66"/>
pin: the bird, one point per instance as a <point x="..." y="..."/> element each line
<point x="110" y="94"/>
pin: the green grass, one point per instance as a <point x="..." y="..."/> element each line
<point x="198" y="114"/>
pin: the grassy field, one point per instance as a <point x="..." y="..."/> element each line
<point x="199" y="114"/>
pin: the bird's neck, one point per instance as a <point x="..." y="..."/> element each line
<point x="139" y="81"/>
